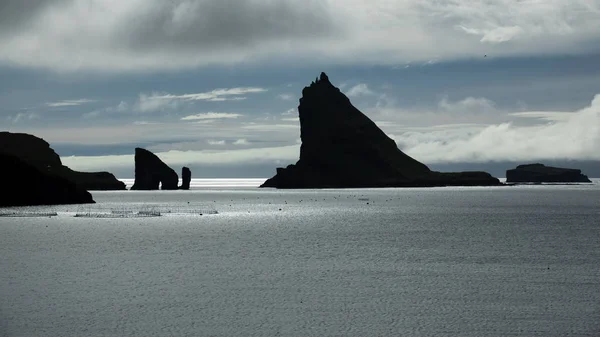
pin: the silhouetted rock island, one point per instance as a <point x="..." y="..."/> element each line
<point x="26" y="185"/>
<point x="186" y="178"/>
<point x="343" y="148"/>
<point x="38" y="153"/>
<point x="539" y="173"/>
<point x="150" y="172"/>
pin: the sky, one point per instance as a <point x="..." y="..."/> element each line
<point x="214" y="84"/>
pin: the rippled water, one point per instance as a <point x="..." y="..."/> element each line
<point x="509" y="261"/>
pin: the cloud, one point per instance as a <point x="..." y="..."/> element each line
<point x="359" y="90"/>
<point x="211" y="115"/>
<point x="70" y="102"/>
<point x="138" y="35"/>
<point x="22" y="116"/>
<point x="286" y="97"/>
<point x="279" y="154"/>
<point x="160" y="102"/>
<point x="241" y="141"/>
<point x="468" y="105"/>
<point x="439" y="137"/>
<point x="544" y="115"/>
<point x="574" y="135"/>
<point x="119" y="108"/>
<point x="270" y="127"/>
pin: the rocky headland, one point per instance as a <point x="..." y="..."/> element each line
<point x="26" y="185"/>
<point x="539" y="173"/>
<point x="343" y="148"/>
<point x="38" y="153"/>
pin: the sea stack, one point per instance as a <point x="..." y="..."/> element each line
<point x="186" y="178"/>
<point x="26" y="185"/>
<point x="343" y="148"/>
<point x="539" y="173"/>
<point x="150" y="172"/>
<point x="38" y="153"/>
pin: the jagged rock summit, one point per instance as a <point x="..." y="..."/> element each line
<point x="343" y="148"/>
<point x="26" y="185"/>
<point x="38" y="153"/>
<point x="540" y="173"/>
<point x="150" y="172"/>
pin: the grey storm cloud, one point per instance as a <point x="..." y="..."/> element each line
<point x="224" y="23"/>
<point x="14" y="14"/>
<point x="117" y="35"/>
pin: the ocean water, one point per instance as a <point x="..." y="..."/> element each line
<point x="460" y="261"/>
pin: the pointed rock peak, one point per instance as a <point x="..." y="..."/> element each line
<point x="320" y="85"/>
<point x="324" y="77"/>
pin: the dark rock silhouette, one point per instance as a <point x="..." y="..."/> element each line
<point x="539" y="173"/>
<point x="38" y="153"/>
<point x="186" y="178"/>
<point x="26" y="185"/>
<point x="343" y="148"/>
<point x="150" y="172"/>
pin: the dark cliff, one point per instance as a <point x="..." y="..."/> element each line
<point x="38" y="153"/>
<point x="150" y="172"/>
<point x="539" y="173"/>
<point x="343" y="148"/>
<point x="26" y="185"/>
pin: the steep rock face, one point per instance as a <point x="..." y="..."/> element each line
<point x="341" y="147"/>
<point x="186" y="178"/>
<point x="539" y="173"/>
<point x="38" y="153"/>
<point x="25" y="185"/>
<point x="150" y="172"/>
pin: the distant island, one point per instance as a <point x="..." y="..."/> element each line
<point x="38" y="153"/>
<point x="35" y="175"/>
<point x="151" y="172"/>
<point x="343" y="148"/>
<point x="539" y="173"/>
<point x="27" y="185"/>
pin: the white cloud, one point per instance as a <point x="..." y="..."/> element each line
<point x="160" y="102"/>
<point x="69" y="102"/>
<point x="359" y="90"/>
<point x="132" y="35"/>
<point x="241" y="141"/>
<point x="574" y="135"/>
<point x="468" y="105"/>
<point x="496" y="34"/>
<point x="22" y="116"/>
<point x="216" y="142"/>
<point x="119" y="108"/>
<point x="179" y="158"/>
<point x="210" y="116"/>
<point x="270" y="127"/>
<point x="544" y="115"/>
<point x="144" y="123"/>
<point x="286" y="97"/>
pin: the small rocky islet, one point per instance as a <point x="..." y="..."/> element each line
<point x="540" y="173"/>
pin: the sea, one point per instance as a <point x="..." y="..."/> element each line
<point x="229" y="259"/>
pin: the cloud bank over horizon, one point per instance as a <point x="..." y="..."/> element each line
<point x="142" y="35"/>
<point x="560" y="135"/>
